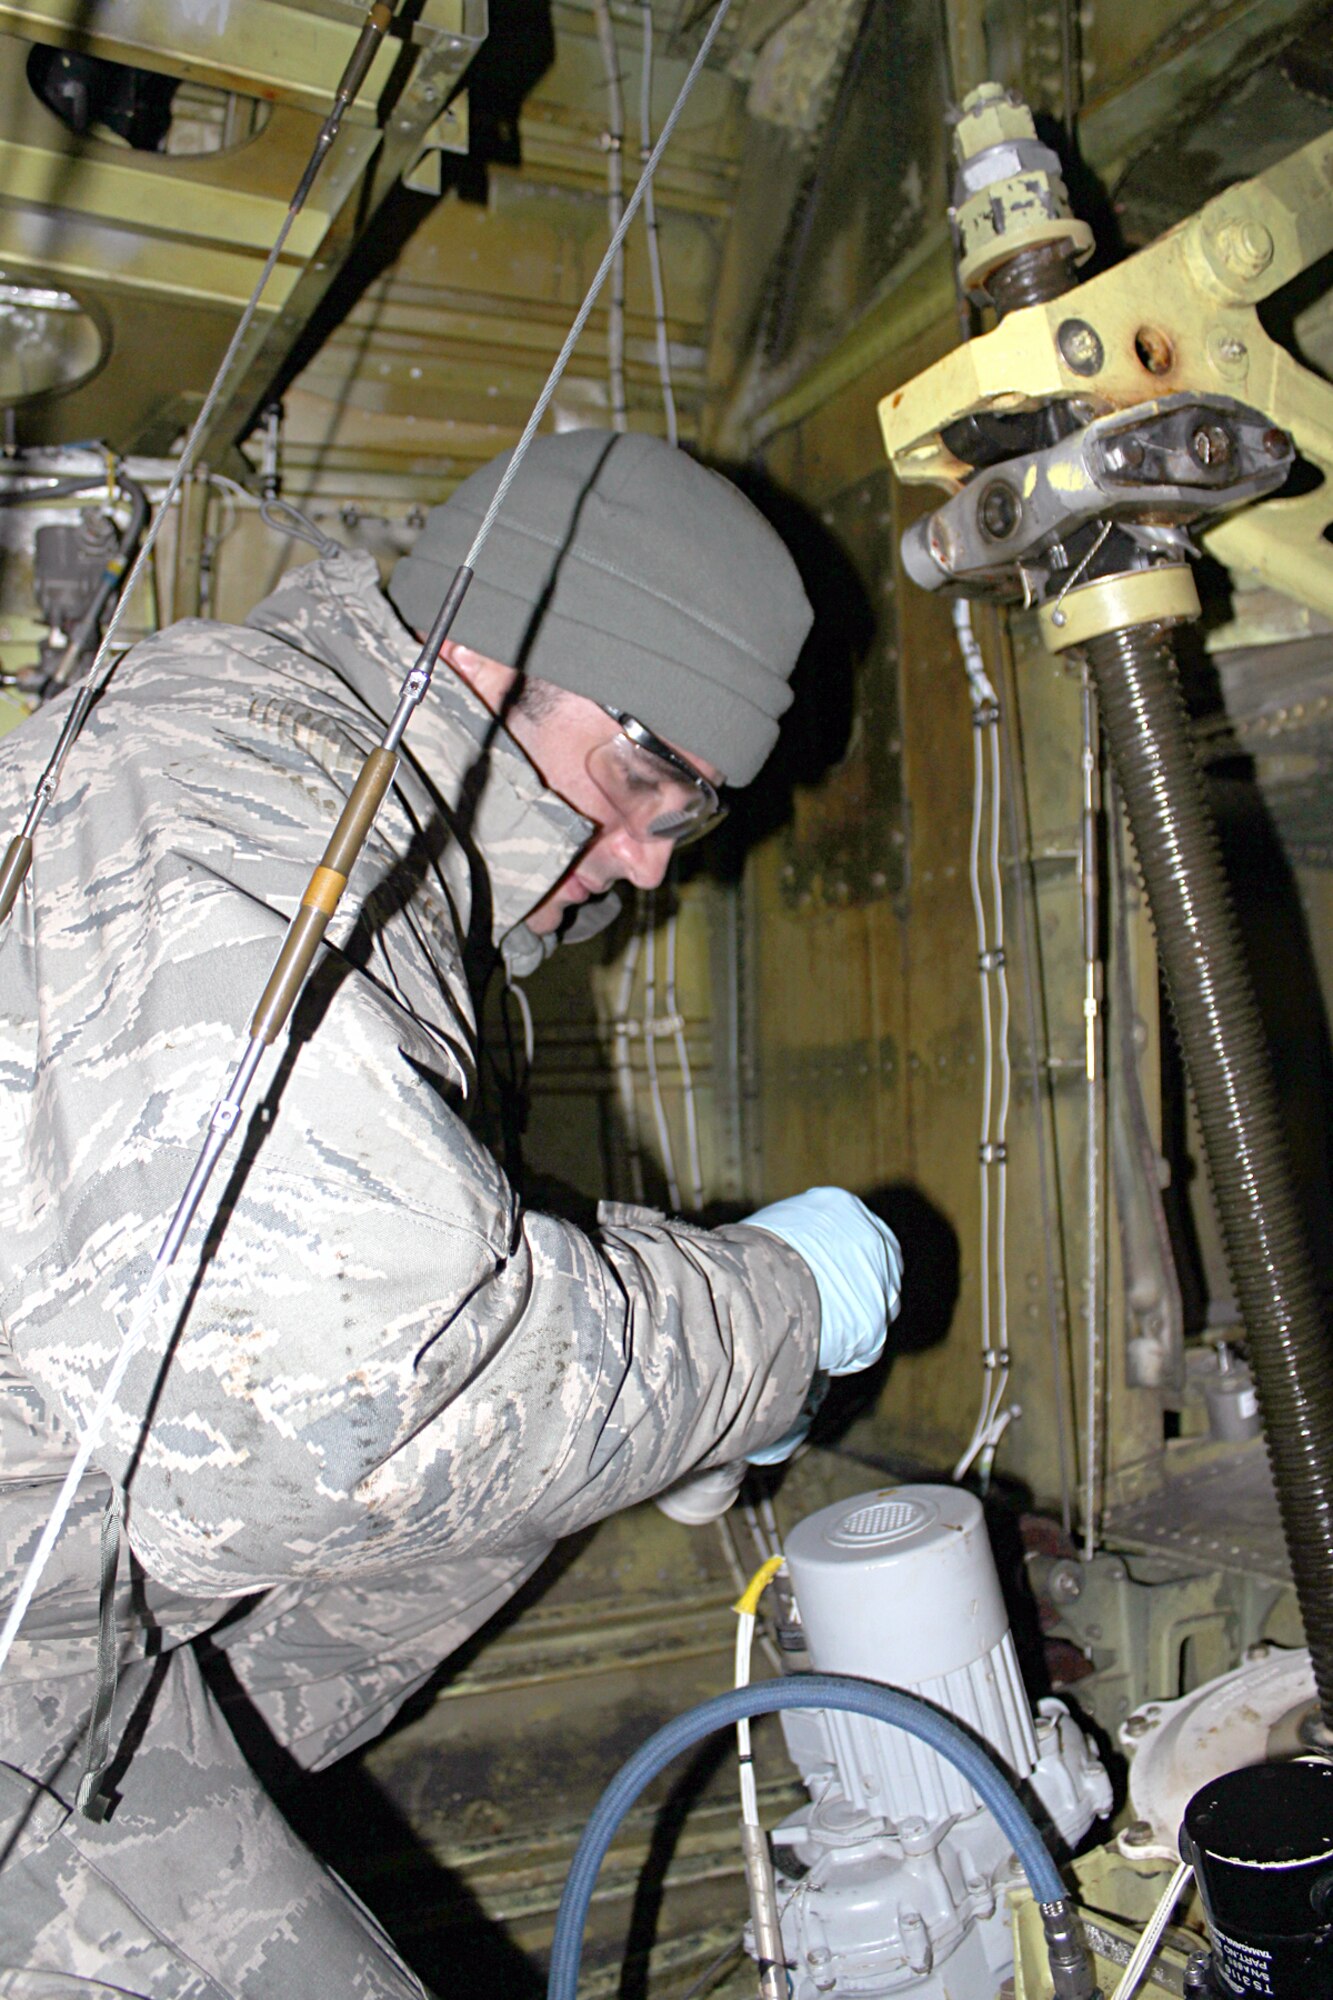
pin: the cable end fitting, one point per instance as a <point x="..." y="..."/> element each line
<point x="1067" y="1951"/>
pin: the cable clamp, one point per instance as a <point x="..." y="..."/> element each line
<point x="656" y="1026"/>
<point x="995" y="1358"/>
<point x="986" y="714"/>
<point x="993" y="1153"/>
<point x="992" y="961"/>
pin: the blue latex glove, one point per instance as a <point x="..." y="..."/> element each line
<point x="857" y="1267"/>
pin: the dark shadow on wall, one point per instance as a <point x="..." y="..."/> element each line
<point x="932" y="1265"/>
<point x="817" y="728"/>
<point x="932" y="1276"/>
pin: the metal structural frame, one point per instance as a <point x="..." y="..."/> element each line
<point x="1180" y="316"/>
<point x="133" y="235"/>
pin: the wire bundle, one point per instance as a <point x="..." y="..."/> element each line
<point x="994" y="1415"/>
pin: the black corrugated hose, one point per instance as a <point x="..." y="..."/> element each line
<point x="1222" y="1040"/>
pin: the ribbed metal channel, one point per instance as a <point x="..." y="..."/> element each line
<point x="1222" y="1040"/>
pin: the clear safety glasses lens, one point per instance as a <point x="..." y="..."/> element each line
<point x="657" y="796"/>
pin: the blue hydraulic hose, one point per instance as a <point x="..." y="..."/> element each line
<point x="881" y="1704"/>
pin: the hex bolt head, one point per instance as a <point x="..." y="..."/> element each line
<point x="1138" y="1833"/>
<point x="999" y="511"/>
<point x="1136" y="1725"/>
<point x="1247" y="247"/>
<point x="1199" y="1973"/>
<point x="1276" y="443"/>
<point x="1065" y="1582"/>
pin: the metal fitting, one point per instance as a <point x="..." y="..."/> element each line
<point x="1071" y="1966"/>
<point x="1157" y="467"/>
<point x="1080" y="346"/>
<point x="1008" y="195"/>
<point x="1245" y="246"/>
<point x="1164" y="594"/>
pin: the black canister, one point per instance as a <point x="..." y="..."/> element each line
<point x="1261" y="1844"/>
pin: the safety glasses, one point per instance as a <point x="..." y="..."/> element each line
<point x="655" y="791"/>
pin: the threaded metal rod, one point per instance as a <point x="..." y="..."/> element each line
<point x="1031" y="278"/>
<point x="1226" y="1057"/>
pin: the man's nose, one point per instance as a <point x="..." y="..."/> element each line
<point x="642" y="862"/>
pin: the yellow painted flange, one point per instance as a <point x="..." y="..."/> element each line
<point x="1026" y="222"/>
<point x="1162" y="596"/>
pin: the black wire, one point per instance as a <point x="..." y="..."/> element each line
<point x="58" y="491"/>
<point x="714" y="1971"/>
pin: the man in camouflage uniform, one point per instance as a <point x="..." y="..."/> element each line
<point x="380" y="1390"/>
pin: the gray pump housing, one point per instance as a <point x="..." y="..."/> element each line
<point x="892" y="1880"/>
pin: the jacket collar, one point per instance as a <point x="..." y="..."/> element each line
<point x="525" y="834"/>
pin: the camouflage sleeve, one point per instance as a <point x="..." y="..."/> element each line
<point x="378" y="1358"/>
<point x="364" y="1380"/>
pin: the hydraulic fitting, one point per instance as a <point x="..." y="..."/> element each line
<point x="1071" y="1965"/>
<point x="1009" y="198"/>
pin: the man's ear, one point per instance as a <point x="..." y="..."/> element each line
<point x="487" y="678"/>
<point x="463" y="661"/>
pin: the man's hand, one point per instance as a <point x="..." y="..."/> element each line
<point x="857" y="1267"/>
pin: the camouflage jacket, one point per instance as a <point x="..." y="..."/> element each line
<point x="373" y="1356"/>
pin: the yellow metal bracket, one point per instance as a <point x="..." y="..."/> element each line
<point x="1179" y="316"/>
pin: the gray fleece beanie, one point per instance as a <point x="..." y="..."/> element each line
<point x="621" y="569"/>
